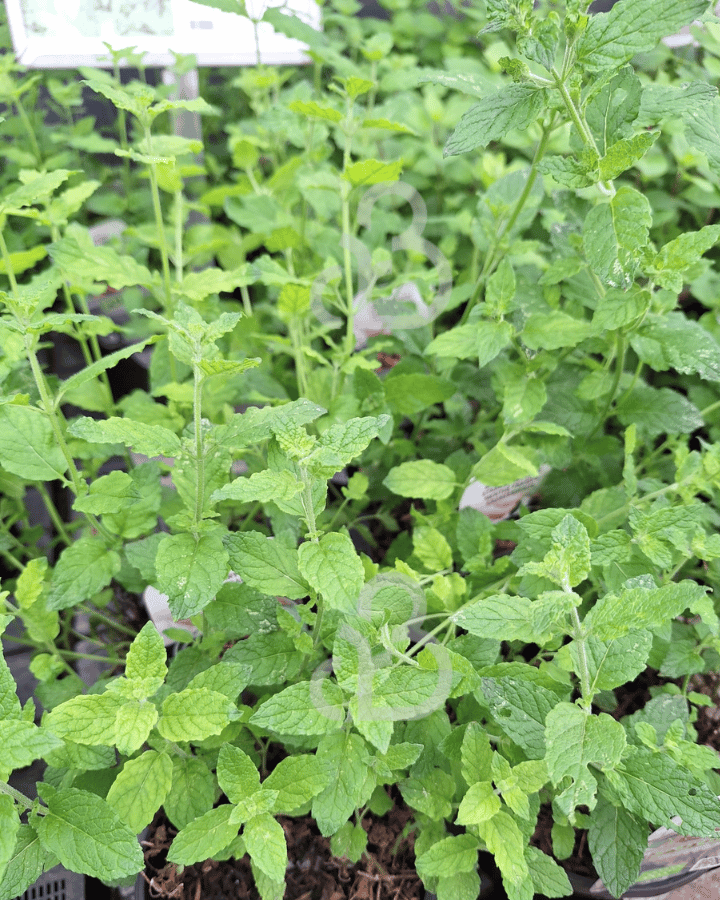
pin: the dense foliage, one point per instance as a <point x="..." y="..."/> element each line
<point x="393" y="275"/>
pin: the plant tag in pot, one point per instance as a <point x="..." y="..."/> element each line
<point x="498" y="503"/>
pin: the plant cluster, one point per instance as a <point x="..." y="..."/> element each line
<point x="391" y="276"/>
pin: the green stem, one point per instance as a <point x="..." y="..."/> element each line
<point x="12" y="559"/>
<point x="179" y="261"/>
<point x="112" y="623"/>
<point x="492" y="258"/>
<point x="620" y="351"/>
<point x="245" y="294"/>
<point x="199" y="448"/>
<point x="584" y="673"/>
<point x="18" y="797"/>
<point x="30" y="130"/>
<point x="54" y="514"/>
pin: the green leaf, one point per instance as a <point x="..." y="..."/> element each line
<point x="449" y="856"/>
<point x="479" y="804"/>
<point x="88" y="836"/>
<point x="237" y="773"/>
<point x="505" y="841"/>
<point x="345" y="756"/>
<point x="150" y="440"/>
<point x="625" y="153"/>
<point x="38" y="186"/>
<point x="87" y="719"/>
<point x="503" y="465"/>
<point x="549" y="879"/>
<point x="197" y="286"/>
<point x="475" y="754"/>
<point x="680" y="254"/>
<point x="28" y="446"/>
<point x="195" y="714"/>
<point x="499" y="616"/>
<point x="80" y="262"/>
<point x="568" y="562"/>
<point x="261" y="486"/>
<point x="83" y="569"/>
<point x="141" y="788"/>
<point x="302" y="709"/>
<point x="614" y="234"/>
<point x="520" y="707"/>
<point x="192" y="792"/>
<point x="268" y="658"/>
<point x="613" y="663"/>
<point x="204" y="837"/>
<point x="421" y="478"/>
<point x="654" y="786"/>
<point x="574" y="740"/>
<point x="340" y="444"/>
<point x="266" y="564"/>
<point x="372" y="171"/>
<point x="613" y="38"/>
<point x="659" y="411"/>
<point x="638" y="608"/>
<point x="109" y="493"/>
<point x="333" y="568"/>
<point x="24" y="742"/>
<point x="147" y="655"/>
<point x="492" y="338"/>
<point x="9" y="827"/>
<point x="191" y="571"/>
<point x="88" y="373"/>
<point x="25" y="865"/>
<point x="265" y="842"/>
<point x="409" y="394"/>
<point x="314" y="110"/>
<point x="672" y="341"/>
<point x="617" y="841"/>
<point x="459" y="886"/>
<point x="460" y="342"/>
<point x="431" y="548"/>
<point x="512" y="107"/>
<point x="297" y="779"/>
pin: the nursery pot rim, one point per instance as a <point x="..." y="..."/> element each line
<point x="583" y="883"/>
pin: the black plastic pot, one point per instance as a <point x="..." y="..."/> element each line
<point x="582" y="886"/>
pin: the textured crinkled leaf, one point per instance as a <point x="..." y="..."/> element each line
<point x="261" y="486"/>
<point x="346" y="757"/>
<point x="521" y="709"/>
<point x="25" y="865"/>
<point x="190" y="572"/>
<point x="421" y="478"/>
<point x="84" y="568"/>
<point x="150" y="440"/>
<point x="625" y="153"/>
<point x="109" y="493"/>
<point x="475" y="754"/>
<point x="265" y="842"/>
<point x="225" y="677"/>
<point x="88" y="836"/>
<point x="195" y="714"/>
<point x="680" y="254"/>
<point x="617" y="841"/>
<point x="196" y="286"/>
<point x="79" y="259"/>
<point x="297" y="779"/>
<point x="634" y="609"/>
<point x="619" y="308"/>
<point x="654" y="786"/>
<point x="87" y="719"/>
<point x="315" y="111"/>
<point x="409" y="394"/>
<point x="192" y="792"/>
<point x="432" y="548"/>
<point x="9" y="827"/>
<point x="568" y="561"/>
<point x="449" y="856"/>
<point x="23" y="742"/>
<point x="479" y="804"/>
<point x="549" y="879"/>
<point x="505" y="841"/>
<point x="572" y="172"/>
<point x="672" y="341"/>
<point x="430" y="794"/>
<point x="28" y="447"/>
<point x="504" y="464"/>
<point x="348" y="440"/>
<point x="659" y="411"/>
<point x="575" y="740"/>
<point x="614" y="234"/>
<point x="333" y="568"/>
<point x="269" y="658"/>
<point x="513" y="106"/>
<point x="499" y="616"/>
<point x="266" y="564"/>
<point x="372" y="171"/>
<point x="613" y="663"/>
<point x="304" y="708"/>
<point x="204" y="837"/>
<point x="37" y="186"/>
<point x="147" y="655"/>
<point x="141" y="788"/>
<point x="614" y="37"/>
<point x="133" y="724"/>
<point x="237" y="773"/>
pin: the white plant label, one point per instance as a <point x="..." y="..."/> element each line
<point x="498" y="503"/>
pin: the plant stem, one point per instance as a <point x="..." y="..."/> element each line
<point x="17" y="796"/>
<point x="53" y="513"/>
<point x="584" y="672"/>
<point x="199" y="448"/>
<point x="112" y="623"/>
<point x="30" y="130"/>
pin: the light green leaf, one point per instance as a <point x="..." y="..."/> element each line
<point x="619" y="308"/>
<point x="28" y="447"/>
<point x="88" y="373"/>
<point x="553" y="330"/>
<point x="340" y="444"/>
<point x="659" y="411"/>
<point x="267" y="658"/>
<point x="672" y="341"/>
<point x="475" y="754"/>
<point x="315" y="111"/>
<point x="617" y="841"/>
<point x="614" y="234"/>
<point x="83" y="569"/>
<point x="23" y="742"/>
<point x="141" y="788"/>
<point x="512" y="107"/>
<point x="87" y="719"/>
<point x="297" y="779"/>
<point x="191" y="571"/>
<point x="25" y="865"/>
<point x="304" y="708"/>
<point x="682" y="253"/>
<point x="261" y="486"/>
<point x="265" y="842"/>
<point x="150" y="440"/>
<point x="108" y="494"/>
<point x="638" y="608"/>
<point x="333" y="568"/>
<point x="449" y="856"/>
<point x="613" y="663"/>
<point x="655" y="787"/>
<point x="505" y="841"/>
<point x="345" y="756"/>
<point x="88" y="836"/>
<point x="38" y="186"/>
<point x="504" y="464"/>
<point x="409" y="394"/>
<point x="195" y="714"/>
<point x="421" y="478"/>
<point x="147" y="655"/>
<point x="9" y="827"/>
<point x="80" y="261"/>
<point x="133" y="724"/>
<point x="459" y="886"/>
<point x="568" y="561"/>
<point x="575" y="740"/>
<point x="625" y="153"/>
<point x="521" y="708"/>
<point x="460" y="342"/>
<point x="549" y="879"/>
<point x="431" y="548"/>
<point x="192" y="792"/>
<point x="479" y="804"/>
<point x="372" y="171"/>
<point x="237" y="773"/>
<point x="196" y="286"/>
<point x="614" y="37"/>
<point x="266" y="564"/>
<point x="499" y="616"/>
<point x="204" y="837"/>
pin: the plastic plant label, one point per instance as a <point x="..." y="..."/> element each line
<point x="498" y="503"/>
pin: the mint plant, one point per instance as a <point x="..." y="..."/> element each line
<point x="537" y="262"/>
